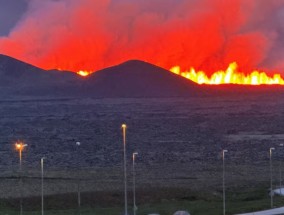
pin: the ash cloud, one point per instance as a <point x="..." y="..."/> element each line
<point x="93" y="34"/>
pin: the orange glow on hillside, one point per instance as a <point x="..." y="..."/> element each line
<point x="230" y="76"/>
<point x="83" y="73"/>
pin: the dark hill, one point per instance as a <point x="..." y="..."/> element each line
<point x="19" y="78"/>
<point x="132" y="79"/>
<point x="139" y="79"/>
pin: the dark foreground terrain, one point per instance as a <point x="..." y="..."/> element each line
<point x="179" y="142"/>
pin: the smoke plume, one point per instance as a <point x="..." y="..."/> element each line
<point x="205" y="34"/>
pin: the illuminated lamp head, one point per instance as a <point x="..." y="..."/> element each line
<point x="20" y="146"/>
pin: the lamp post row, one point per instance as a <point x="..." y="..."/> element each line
<point x="271" y="177"/>
<point x="20" y="146"/>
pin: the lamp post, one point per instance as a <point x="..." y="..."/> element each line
<point x="42" y="178"/>
<point x="271" y="189"/>
<point x="78" y="183"/>
<point x="20" y="147"/>
<point x="125" y="174"/>
<point x="134" y="188"/>
<point x="224" y="194"/>
<point x="280" y="170"/>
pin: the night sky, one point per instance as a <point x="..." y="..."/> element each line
<point x="10" y="13"/>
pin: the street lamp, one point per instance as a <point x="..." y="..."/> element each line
<point x="280" y="170"/>
<point x="20" y="147"/>
<point x="134" y="190"/>
<point x="270" y="161"/>
<point x="78" y="182"/>
<point x="224" y="195"/>
<point x="123" y="126"/>
<point x="42" y="194"/>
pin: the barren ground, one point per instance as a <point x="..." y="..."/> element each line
<point x="179" y="142"/>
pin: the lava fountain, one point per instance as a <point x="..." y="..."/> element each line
<point x="230" y="76"/>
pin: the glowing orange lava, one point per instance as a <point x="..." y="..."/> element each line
<point x="83" y="73"/>
<point x="230" y="76"/>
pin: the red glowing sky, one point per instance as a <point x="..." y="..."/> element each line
<point x="93" y="34"/>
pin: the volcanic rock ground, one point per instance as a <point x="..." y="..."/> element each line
<point x="179" y="142"/>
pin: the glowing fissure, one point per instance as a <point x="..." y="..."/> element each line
<point x="230" y="76"/>
<point x="83" y="73"/>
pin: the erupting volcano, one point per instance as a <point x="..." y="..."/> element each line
<point x="206" y="35"/>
